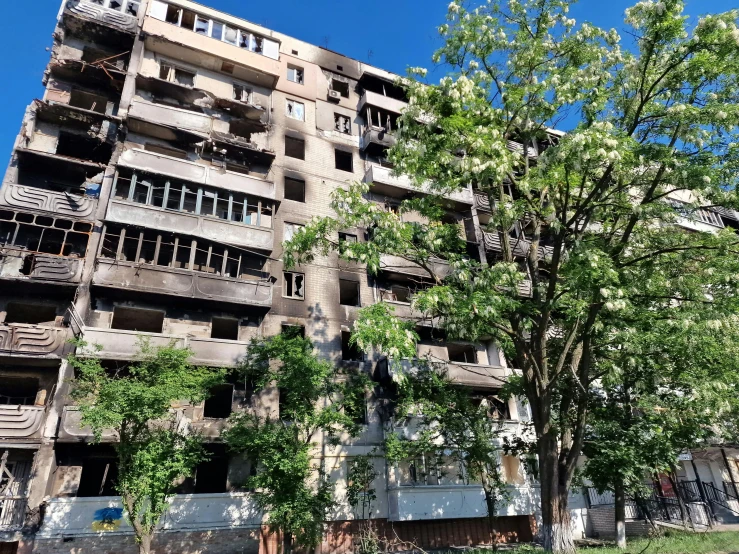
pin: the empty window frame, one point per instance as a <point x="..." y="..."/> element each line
<point x="218" y="405"/>
<point x="30" y="313"/>
<point x="294" y="148"/>
<point x="43" y="234"/>
<point x="295" y="110"/>
<point x="350" y="352"/>
<point x="342" y="124"/>
<point x="293" y="330"/>
<point x="349" y="293"/>
<point x="496" y="407"/>
<point x="295" y="74"/>
<point x="344" y="160"/>
<point x="341" y="87"/>
<point x="205" y="201"/>
<point x="294" y="189"/>
<point x="18" y="391"/>
<point x="131" y="7"/>
<point x="242" y="93"/>
<point x="211" y="475"/>
<point x="84" y="147"/>
<point x="174" y="74"/>
<point x="88" y="100"/>
<point x="224" y="328"/>
<point x="137" y="319"/>
<point x="98" y="477"/>
<point x="218" y="30"/>
<point x="464" y="353"/>
<point x="293" y="285"/>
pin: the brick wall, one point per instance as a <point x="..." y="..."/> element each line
<point x="603" y="520"/>
<point x="225" y="541"/>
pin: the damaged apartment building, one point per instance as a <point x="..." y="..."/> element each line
<point x="148" y="194"/>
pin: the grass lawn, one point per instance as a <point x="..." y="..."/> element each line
<point x="677" y="543"/>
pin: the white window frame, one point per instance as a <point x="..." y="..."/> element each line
<point x="172" y="72"/>
<point x="244" y="89"/>
<point x="290" y="111"/>
<point x="293" y="72"/>
<point x="122" y="7"/>
<point x="292" y="275"/>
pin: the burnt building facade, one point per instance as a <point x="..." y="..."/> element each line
<point x="148" y="195"/>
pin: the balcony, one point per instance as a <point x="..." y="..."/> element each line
<point x="520" y="246"/>
<point x="196" y="173"/>
<point x="84" y="13"/>
<point x="17" y="264"/>
<point x="383" y="102"/>
<point x="21" y="422"/>
<point x="71" y="429"/>
<point x="478" y="375"/>
<point x="212" y="228"/>
<point x="181" y="283"/>
<point x="181" y="43"/>
<point x="384" y="182"/>
<point x="455" y="501"/>
<point x="375" y="140"/>
<point x="122" y="344"/>
<point x="32" y="198"/>
<point x="67" y="517"/>
<point x="396" y="264"/>
<point x="168" y="116"/>
<point x="12" y="515"/>
<point x="34" y="341"/>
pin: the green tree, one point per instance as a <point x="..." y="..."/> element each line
<point x="135" y="402"/>
<point x="453" y="429"/>
<point x="360" y="494"/>
<point x="315" y="401"/>
<point x="667" y="390"/>
<point x="587" y="218"/>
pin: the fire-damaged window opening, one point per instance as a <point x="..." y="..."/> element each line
<point x="342" y="123"/>
<point x="215" y="29"/>
<point x="30" y="313"/>
<point x="211" y="476"/>
<point x="173" y="74"/>
<point x="18" y="391"/>
<point x="131" y="7"/>
<point x="295" y="110"/>
<point x="294" y="189"/>
<point x="224" y="328"/>
<point x="344" y="160"/>
<point x="98" y="477"/>
<point x="137" y="319"/>
<point x="42" y="234"/>
<point x="464" y="353"/>
<point x="205" y="201"/>
<point x="242" y="93"/>
<point x="295" y="148"/>
<point x="294" y="286"/>
<point x="83" y="147"/>
<point x="295" y="74"/>
<point x="151" y="247"/>
<point x="165" y="150"/>
<point x="381" y="119"/>
<point x="218" y="404"/>
<point x="88" y="100"/>
<point x="349" y="293"/>
<point x="350" y="352"/>
<point x="94" y="55"/>
<point x="290" y="328"/>
<point x="342" y="87"/>
<point x="496" y="407"/>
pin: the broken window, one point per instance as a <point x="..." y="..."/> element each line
<point x="342" y="123"/>
<point x="464" y="353"/>
<point x="165" y="150"/>
<point x="88" y="101"/>
<point x="294" y="189"/>
<point x="295" y="148"/>
<point x="218" y="404"/>
<point x="296" y="110"/>
<point x="211" y="476"/>
<point x="138" y="319"/>
<point x="230" y="35"/>
<point x="294" y="286"/>
<point x="496" y="407"/>
<point x="224" y="328"/>
<point x="350" y="352"/>
<point x="344" y="160"/>
<point x="341" y="87"/>
<point x="131" y="7"/>
<point x="290" y="230"/>
<point x="169" y="72"/>
<point x="98" y="477"/>
<point x="83" y="147"/>
<point x="30" y="313"/>
<point x="295" y="74"/>
<point x="202" y="25"/>
<point x="242" y="93"/>
<point x="18" y="391"/>
<point x="293" y="330"/>
<point x="348" y="292"/>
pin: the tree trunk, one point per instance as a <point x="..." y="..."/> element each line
<point x="556" y="527"/>
<point x="620" y="505"/>
<point x="145" y="544"/>
<point x="287" y="543"/>
<point x="490" y="501"/>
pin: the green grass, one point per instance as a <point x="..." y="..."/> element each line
<point x="676" y="543"/>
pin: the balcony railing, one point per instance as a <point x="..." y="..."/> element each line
<point x="396" y="264"/>
<point x="12" y="513"/>
<point x="383" y="102"/>
<point x="122" y="344"/>
<point x="519" y="246"/>
<point x="37" y="341"/>
<point x="100" y="14"/>
<point x="384" y="181"/>
<point x="69" y="517"/>
<point x="33" y="198"/>
<point x="377" y="138"/>
<point x="21" y="422"/>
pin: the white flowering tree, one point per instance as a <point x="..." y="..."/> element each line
<point x="588" y="218"/>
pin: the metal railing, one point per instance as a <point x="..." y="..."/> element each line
<point x="12" y="512"/>
<point x="724" y="499"/>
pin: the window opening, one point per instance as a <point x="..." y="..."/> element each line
<point x="88" y="101"/>
<point x="211" y="476"/>
<point x="295" y="74"/>
<point x="218" y="404"/>
<point x="295" y="148"/>
<point x="288" y="328"/>
<point x="18" y="392"/>
<point x="344" y="160"/>
<point x="341" y="87"/>
<point x="350" y="352"/>
<point x="294" y="285"/>
<point x="32" y="314"/>
<point x="342" y="123"/>
<point x="224" y="328"/>
<point x="98" y="477"/>
<point x="296" y="110"/>
<point x="290" y="230"/>
<point x="137" y="319"/>
<point x="348" y="292"/>
<point x="464" y="353"/>
<point x="294" y="189"/>
<point x="242" y="93"/>
<point x="173" y="74"/>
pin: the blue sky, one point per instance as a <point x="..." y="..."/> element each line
<point x="392" y="34"/>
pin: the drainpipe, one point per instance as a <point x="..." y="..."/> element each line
<point x="731" y="473"/>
